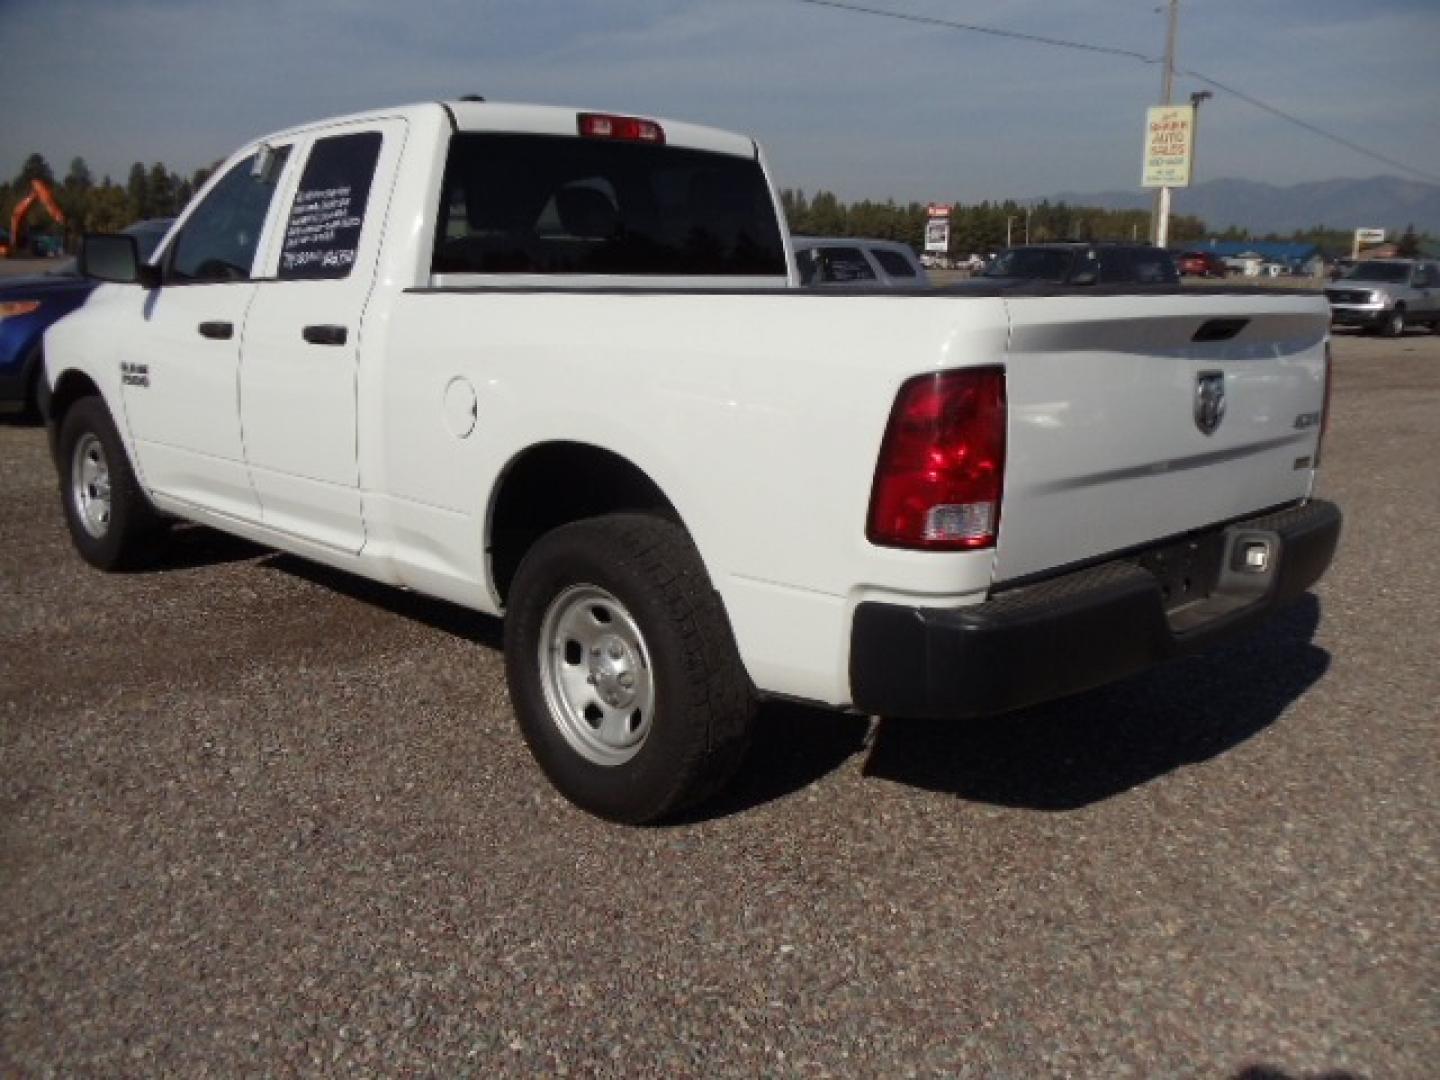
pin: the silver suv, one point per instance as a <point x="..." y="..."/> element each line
<point x="1387" y="295"/>
<point x="857" y="262"/>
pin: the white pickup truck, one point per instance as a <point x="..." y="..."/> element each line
<point x="558" y="365"/>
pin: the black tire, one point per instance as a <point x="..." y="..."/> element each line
<point x="111" y="521"/>
<point x="695" y="725"/>
<point x="1394" y="324"/>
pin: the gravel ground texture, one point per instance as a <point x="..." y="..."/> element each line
<point x="259" y="817"/>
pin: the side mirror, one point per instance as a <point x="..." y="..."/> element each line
<point x="115" y="258"/>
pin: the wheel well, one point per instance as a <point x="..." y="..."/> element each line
<point x="554" y="484"/>
<point x="71" y="387"/>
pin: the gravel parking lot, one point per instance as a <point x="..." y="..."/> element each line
<point x="258" y="817"/>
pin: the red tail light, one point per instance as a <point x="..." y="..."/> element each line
<point x="938" y="483"/>
<point x="621" y="128"/>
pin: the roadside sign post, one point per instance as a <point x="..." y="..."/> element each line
<point x="1169" y="155"/>
<point x="937" y="228"/>
<point x="1160" y="225"/>
<point x="1366" y="236"/>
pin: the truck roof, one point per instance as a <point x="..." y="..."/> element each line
<point x="501" y="116"/>
<point x="561" y="120"/>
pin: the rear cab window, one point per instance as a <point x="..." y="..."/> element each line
<point x="554" y="206"/>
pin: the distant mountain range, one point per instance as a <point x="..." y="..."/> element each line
<point x="1385" y="202"/>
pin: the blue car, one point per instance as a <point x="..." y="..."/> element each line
<point x="31" y="305"/>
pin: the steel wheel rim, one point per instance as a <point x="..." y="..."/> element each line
<point x="596" y="675"/>
<point x="90" y="485"/>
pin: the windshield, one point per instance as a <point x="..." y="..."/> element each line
<point x="1379" y="271"/>
<point x="1034" y="264"/>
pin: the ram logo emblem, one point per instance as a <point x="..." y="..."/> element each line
<point x="1209" y="401"/>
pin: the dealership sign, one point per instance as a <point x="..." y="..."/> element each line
<point x="1369" y="236"/>
<point x="1169" y="146"/>
<point x="937" y="228"/>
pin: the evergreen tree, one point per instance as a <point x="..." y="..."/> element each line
<point x="138" y="189"/>
<point x="160" y="185"/>
<point x="79" y="177"/>
<point x="35" y="168"/>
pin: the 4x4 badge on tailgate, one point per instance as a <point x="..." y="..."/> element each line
<point x="1209" y="401"/>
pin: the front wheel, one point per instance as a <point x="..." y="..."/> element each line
<point x="622" y="668"/>
<point x="112" y="523"/>
<point x="1394" y="324"/>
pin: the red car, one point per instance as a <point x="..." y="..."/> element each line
<point x="1202" y="264"/>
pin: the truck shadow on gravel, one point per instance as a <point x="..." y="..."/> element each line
<point x="1072" y="753"/>
<point x="1056" y="757"/>
<point x="190" y="547"/>
<point x="448" y="618"/>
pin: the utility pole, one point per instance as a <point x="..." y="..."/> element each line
<point x="1161" y="227"/>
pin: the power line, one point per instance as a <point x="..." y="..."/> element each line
<point x="1129" y="54"/>
<point x="949" y="24"/>
<point x="1307" y="126"/>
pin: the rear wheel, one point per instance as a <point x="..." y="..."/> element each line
<point x="112" y="523"/>
<point x="622" y="668"/>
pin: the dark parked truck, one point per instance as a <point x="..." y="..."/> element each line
<point x="559" y="366"/>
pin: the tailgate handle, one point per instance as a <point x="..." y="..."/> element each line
<point x="220" y="331"/>
<point x="1220" y="329"/>
<point x="325" y="335"/>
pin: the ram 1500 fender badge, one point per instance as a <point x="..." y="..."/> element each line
<point x="1209" y="401"/>
<point x="132" y="374"/>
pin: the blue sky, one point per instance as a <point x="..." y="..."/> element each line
<point x="862" y="106"/>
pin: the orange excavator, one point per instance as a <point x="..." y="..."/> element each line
<point x="42" y="193"/>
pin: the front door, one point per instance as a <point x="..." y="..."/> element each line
<point x="182" y="351"/>
<point x="299" y="371"/>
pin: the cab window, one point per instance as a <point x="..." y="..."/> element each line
<point x="322" y="235"/>
<point x="893" y="263"/>
<point x="1154" y="267"/>
<point x="838" y="264"/>
<point x="219" y="240"/>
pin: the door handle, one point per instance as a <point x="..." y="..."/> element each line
<point x="220" y="331"/>
<point x="325" y="334"/>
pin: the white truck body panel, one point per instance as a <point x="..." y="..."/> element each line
<point x="1105" y="451"/>
<point x="758" y="413"/>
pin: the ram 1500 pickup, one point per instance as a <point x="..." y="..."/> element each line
<point x="558" y="365"/>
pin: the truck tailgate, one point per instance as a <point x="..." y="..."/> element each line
<point x="1107" y="450"/>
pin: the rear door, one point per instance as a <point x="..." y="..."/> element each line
<point x="298" y="377"/>
<point x="1134" y="419"/>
